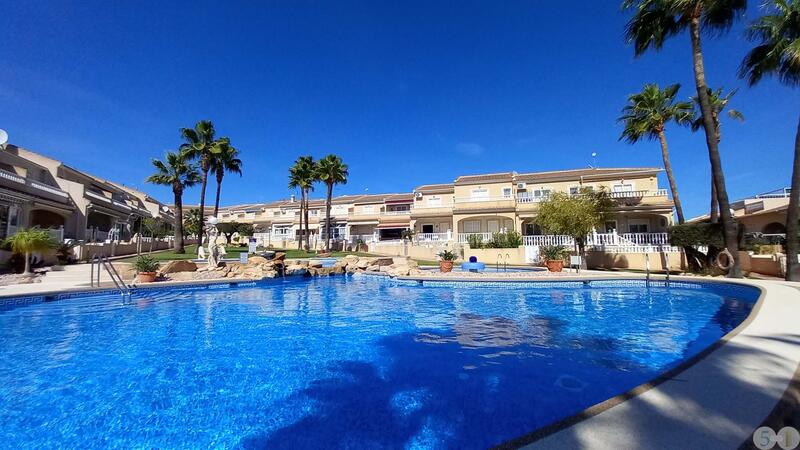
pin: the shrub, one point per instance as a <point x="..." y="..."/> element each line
<point x="447" y="255"/>
<point x="29" y="240"/>
<point x="475" y="241"/>
<point x="696" y="234"/>
<point x="145" y="263"/>
<point x="553" y="252"/>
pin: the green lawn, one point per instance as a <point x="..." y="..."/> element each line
<point x="233" y="252"/>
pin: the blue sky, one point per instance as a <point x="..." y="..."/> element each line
<point x="406" y="92"/>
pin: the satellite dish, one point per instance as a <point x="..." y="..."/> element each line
<point x="3" y="137"/>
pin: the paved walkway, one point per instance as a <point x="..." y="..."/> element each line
<point x="716" y="403"/>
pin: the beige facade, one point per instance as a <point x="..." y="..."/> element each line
<point x="471" y="204"/>
<point x="36" y="190"/>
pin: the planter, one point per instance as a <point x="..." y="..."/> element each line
<point x="555" y="265"/>
<point x="445" y="266"/>
<point x="146" y="277"/>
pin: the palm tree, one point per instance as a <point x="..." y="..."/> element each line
<point x="191" y="223"/>
<point x="175" y="171"/>
<point x="227" y="160"/>
<point x="200" y="145"/>
<point x="719" y="102"/>
<point x="331" y="171"/>
<point x="778" y="36"/>
<point x="646" y="116"/>
<point x="653" y="22"/>
<point x="303" y="175"/>
<point x="29" y="240"/>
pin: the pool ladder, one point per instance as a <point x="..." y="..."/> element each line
<point x="505" y="262"/>
<point x="103" y="263"/>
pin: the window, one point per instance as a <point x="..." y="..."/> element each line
<point x="574" y="190"/>
<point x="542" y="193"/>
<point x="493" y="226"/>
<point x="611" y="226"/>
<point x="366" y="209"/>
<point x="507" y="192"/>
<point x="637" y="228"/>
<point x="472" y="226"/>
<point x="427" y="228"/>
<point x="434" y="201"/>
<point x="480" y="193"/>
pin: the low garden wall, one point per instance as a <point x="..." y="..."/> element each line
<point x="635" y="261"/>
<point x="490" y="256"/>
<point x="771" y="265"/>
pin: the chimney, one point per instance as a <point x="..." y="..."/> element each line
<point x="291" y="199"/>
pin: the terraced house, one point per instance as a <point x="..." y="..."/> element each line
<point x="476" y="205"/>
<point x="36" y="190"/>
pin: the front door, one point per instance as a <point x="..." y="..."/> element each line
<point x="427" y="228"/>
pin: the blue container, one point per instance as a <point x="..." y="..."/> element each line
<point x="473" y="266"/>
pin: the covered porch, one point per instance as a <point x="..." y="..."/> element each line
<point x="484" y="225"/>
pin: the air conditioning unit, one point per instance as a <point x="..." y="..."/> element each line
<point x="522" y="185"/>
<point x="418" y="195"/>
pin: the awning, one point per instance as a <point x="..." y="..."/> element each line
<point x="363" y="222"/>
<point x="384" y="226"/>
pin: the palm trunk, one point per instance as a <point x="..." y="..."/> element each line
<point x="728" y="223"/>
<point x="204" y="167"/>
<point x="792" y="266"/>
<point x="27" y="270"/>
<point x="714" y="215"/>
<point x="308" y="228"/>
<point x="673" y="186"/>
<point x="328" y="218"/>
<point x="178" y="244"/>
<point x="220" y="174"/>
<point x="302" y="205"/>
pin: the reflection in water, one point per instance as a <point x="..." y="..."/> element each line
<point x="337" y="362"/>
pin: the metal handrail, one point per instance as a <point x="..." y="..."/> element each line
<point x="119" y="283"/>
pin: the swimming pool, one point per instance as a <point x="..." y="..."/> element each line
<point x="358" y="362"/>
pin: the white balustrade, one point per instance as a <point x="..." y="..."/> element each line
<point x="432" y="237"/>
<point x="463" y="238"/>
<point x="43" y="187"/>
<point x="11" y="176"/>
<point x="646" y="238"/>
<point x="639" y="194"/>
<point x="554" y="239"/>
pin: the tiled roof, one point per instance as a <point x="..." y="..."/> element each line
<point x="485" y="178"/>
<point x="575" y="174"/>
<point x="444" y="187"/>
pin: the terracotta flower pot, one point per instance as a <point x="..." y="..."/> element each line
<point x="555" y="265"/>
<point x="146" y="277"/>
<point x="445" y="266"/>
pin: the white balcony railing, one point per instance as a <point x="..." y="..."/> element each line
<point x="47" y="188"/>
<point x="98" y="196"/>
<point x="433" y="237"/>
<point x="11" y="176"/>
<point x="463" y="238"/>
<point x="396" y="213"/>
<point x="603" y="241"/>
<point x="542" y="240"/>
<point x="639" y="194"/>
<point x="531" y="198"/>
<point x="56" y="234"/>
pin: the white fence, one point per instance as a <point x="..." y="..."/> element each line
<point x="463" y="238"/>
<point x="609" y="242"/>
<point x="433" y="237"/>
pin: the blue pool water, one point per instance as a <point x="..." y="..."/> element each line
<point x="339" y="362"/>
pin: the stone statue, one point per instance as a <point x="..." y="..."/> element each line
<point x="214" y="251"/>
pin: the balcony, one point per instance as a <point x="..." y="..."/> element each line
<point x="475" y="204"/>
<point x="31" y="186"/>
<point x="406" y="212"/>
<point x="639" y="194"/>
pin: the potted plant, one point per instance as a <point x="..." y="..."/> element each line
<point x="146" y="267"/>
<point x="554" y="257"/>
<point x="446" y="258"/>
